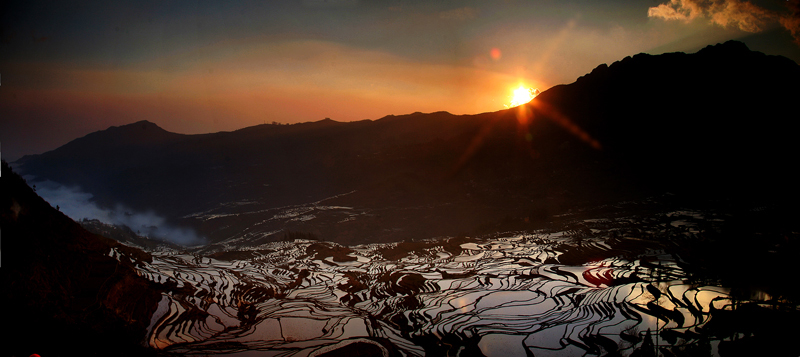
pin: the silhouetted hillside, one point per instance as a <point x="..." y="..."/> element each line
<point x="63" y="294"/>
<point x="722" y="119"/>
<point x="717" y="124"/>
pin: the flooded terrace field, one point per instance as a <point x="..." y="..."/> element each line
<point x="659" y="284"/>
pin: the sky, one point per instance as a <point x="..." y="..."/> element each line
<point x="198" y="66"/>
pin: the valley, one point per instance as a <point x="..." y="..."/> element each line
<point x="594" y="286"/>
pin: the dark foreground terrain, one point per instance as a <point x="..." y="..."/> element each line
<point x="62" y="292"/>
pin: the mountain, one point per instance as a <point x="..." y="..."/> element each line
<point x="64" y="290"/>
<point x="717" y="124"/>
<point x="719" y="119"/>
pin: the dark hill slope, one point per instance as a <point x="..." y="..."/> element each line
<point x="723" y="119"/>
<point x="63" y="295"/>
<point x="717" y="122"/>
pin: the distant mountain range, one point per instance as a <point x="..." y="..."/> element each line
<point x="717" y="124"/>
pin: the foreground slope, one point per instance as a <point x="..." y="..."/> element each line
<point x="62" y="292"/>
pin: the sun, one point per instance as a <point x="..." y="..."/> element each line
<point x="521" y="96"/>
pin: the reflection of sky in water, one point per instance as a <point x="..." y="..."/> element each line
<point x="502" y="345"/>
<point x="498" y="292"/>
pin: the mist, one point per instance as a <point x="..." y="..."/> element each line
<point x="78" y="205"/>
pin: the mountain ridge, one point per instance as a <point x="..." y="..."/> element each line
<point x="644" y="125"/>
<point x="731" y="47"/>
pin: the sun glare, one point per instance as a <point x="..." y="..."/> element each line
<point x="521" y="96"/>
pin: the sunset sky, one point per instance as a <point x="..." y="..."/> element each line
<point x="205" y="66"/>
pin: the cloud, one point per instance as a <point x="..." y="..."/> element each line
<point x="78" y="205"/>
<point x="791" y="20"/>
<point x="460" y="14"/>
<point x="743" y="15"/>
<point x="684" y="10"/>
<point x="71" y="200"/>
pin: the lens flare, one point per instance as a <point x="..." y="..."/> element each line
<point x="495" y="54"/>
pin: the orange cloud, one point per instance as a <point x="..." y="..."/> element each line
<point x="743" y="15"/>
<point x="684" y="10"/>
<point x="791" y="21"/>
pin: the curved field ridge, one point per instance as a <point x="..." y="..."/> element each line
<point x="502" y="296"/>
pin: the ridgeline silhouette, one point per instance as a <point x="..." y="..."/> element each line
<point x="716" y="124"/>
